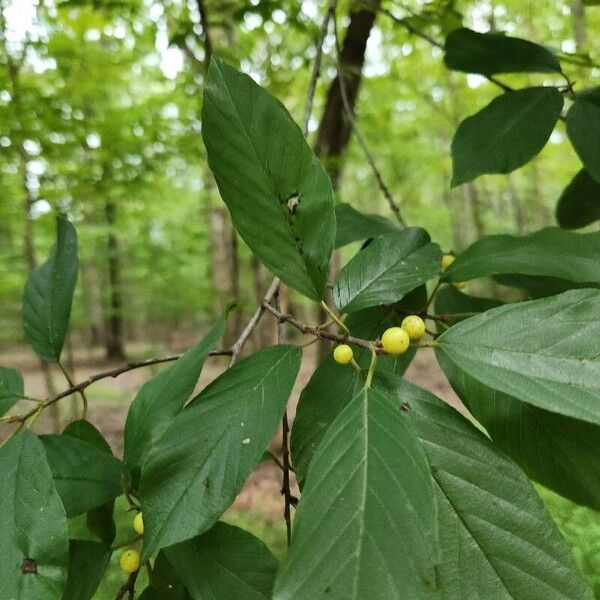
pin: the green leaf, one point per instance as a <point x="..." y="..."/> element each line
<point x="540" y="287"/>
<point x="325" y="396"/>
<point x="85" y="476"/>
<point x="332" y="386"/>
<point x="225" y="563"/>
<point x="279" y="196"/>
<point x="88" y="562"/>
<point x="543" y="352"/>
<point x="386" y="270"/>
<point x="100" y="521"/>
<point x="559" y="452"/>
<point x="492" y="140"/>
<point x="11" y="388"/>
<point x="449" y="302"/>
<point x="492" y="53"/>
<point x="497" y="539"/>
<point x="354" y="226"/>
<point x="164" y="582"/>
<point x="579" y="204"/>
<point x="34" y="525"/>
<point x="194" y="471"/>
<point x="49" y="294"/>
<point x="162" y="398"/>
<point x="583" y="129"/>
<point x="367" y="518"/>
<point x="550" y="252"/>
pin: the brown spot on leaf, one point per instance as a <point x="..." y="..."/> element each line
<point x="405" y="407"/>
<point x="29" y="566"/>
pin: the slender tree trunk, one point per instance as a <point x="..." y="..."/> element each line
<point x="335" y="129"/>
<point x="114" y="332"/>
<point x="579" y="24"/>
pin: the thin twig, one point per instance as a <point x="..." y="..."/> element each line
<point x="128" y="587"/>
<point x="358" y="134"/>
<point x="205" y="33"/>
<point x="316" y="70"/>
<point x="238" y="346"/>
<point x="318" y="332"/>
<point x="72" y="384"/>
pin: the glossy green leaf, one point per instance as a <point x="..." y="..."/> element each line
<point x="579" y="204"/>
<point x="161" y="398"/>
<point x="194" y="471"/>
<point x="354" y="226"/>
<point x="49" y="294"/>
<point x="491" y="53"/>
<point x="88" y="562"/>
<point x="543" y="352"/>
<point x="497" y="539"/>
<point x="493" y="140"/>
<point x="11" y="388"/>
<point x="225" y="563"/>
<point x="366" y="525"/>
<point x="33" y="536"/>
<point x="583" y="129"/>
<point x="85" y="476"/>
<point x="386" y="270"/>
<point x="559" y="452"/>
<point x="279" y="196"/>
<point x="551" y="252"/>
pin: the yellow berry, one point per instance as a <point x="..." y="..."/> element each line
<point x="343" y="354"/>
<point x="414" y="326"/>
<point x="130" y="561"/>
<point x="138" y="523"/>
<point x="395" y="340"/>
<point x="447" y="260"/>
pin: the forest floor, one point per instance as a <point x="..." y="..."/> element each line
<point x="259" y="505"/>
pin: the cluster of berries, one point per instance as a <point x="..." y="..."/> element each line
<point x="394" y="340"/>
<point x="130" y="559"/>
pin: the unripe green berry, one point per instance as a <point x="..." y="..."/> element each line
<point x="130" y="561"/>
<point x="343" y="354"/>
<point x="138" y="523"/>
<point x="414" y="326"/>
<point x="395" y="340"/>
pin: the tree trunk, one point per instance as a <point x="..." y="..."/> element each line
<point x="579" y="24"/>
<point x="114" y="331"/>
<point x="335" y="129"/>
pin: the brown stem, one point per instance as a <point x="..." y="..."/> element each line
<point x="128" y="587"/>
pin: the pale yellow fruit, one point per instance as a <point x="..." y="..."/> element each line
<point x="343" y="354"/>
<point x="395" y="340"/>
<point x="138" y="523"/>
<point x="414" y="326"/>
<point x="130" y="561"/>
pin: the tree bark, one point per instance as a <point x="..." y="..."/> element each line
<point x="334" y="128"/>
<point x="114" y="343"/>
<point x="579" y="24"/>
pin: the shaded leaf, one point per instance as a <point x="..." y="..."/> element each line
<point x="11" y="388"/>
<point x="349" y="539"/>
<point x="263" y="166"/>
<point x="493" y="140"/>
<point x="583" y="129"/>
<point x="540" y="287"/>
<point x="161" y="398"/>
<point x="543" y="352"/>
<point x="450" y="302"/>
<point x="202" y="460"/>
<point x="491" y="53"/>
<point x="88" y="562"/>
<point x="34" y="526"/>
<point x="579" y="204"/>
<point x="559" y="452"/>
<point x="49" y="294"/>
<point x="497" y="538"/>
<point x="85" y="476"/>
<point x="550" y="252"/>
<point x="225" y="563"/>
<point x="354" y="226"/>
<point x="386" y="270"/>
